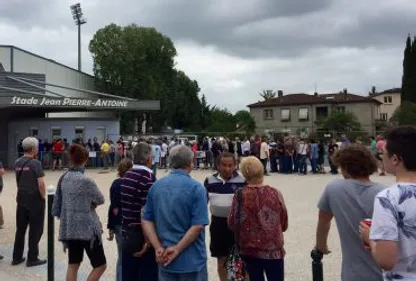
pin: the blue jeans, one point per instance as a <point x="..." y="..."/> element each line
<point x="314" y="164"/>
<point x="302" y="167"/>
<point x="201" y="275"/>
<point x="118" y="234"/>
<point x="154" y="168"/>
<point x="256" y="268"/>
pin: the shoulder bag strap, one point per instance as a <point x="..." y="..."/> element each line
<point x="21" y="170"/>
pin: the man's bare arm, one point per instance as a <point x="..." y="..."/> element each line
<point x="42" y="187"/>
<point x="189" y="237"/>
<point x="384" y="253"/>
<point x="322" y="231"/>
<point x="150" y="233"/>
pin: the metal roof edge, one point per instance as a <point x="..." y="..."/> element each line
<point x="44" y="58"/>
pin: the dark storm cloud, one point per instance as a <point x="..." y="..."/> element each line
<point x="244" y="28"/>
<point x="28" y="13"/>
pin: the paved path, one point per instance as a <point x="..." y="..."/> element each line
<point x="301" y="194"/>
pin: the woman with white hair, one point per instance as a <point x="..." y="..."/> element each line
<point x="258" y="218"/>
<point x="30" y="203"/>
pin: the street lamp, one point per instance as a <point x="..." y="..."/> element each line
<point x="79" y="20"/>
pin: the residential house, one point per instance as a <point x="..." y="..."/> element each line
<point x="298" y="113"/>
<point x="390" y="100"/>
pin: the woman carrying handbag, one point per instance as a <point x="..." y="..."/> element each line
<point x="258" y="218"/>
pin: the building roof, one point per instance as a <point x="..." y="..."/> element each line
<point x="44" y="58"/>
<point x="388" y="91"/>
<point x="306" y="99"/>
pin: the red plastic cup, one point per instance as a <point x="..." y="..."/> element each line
<point x="368" y="223"/>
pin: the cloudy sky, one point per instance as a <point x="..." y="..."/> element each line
<point x="237" y="48"/>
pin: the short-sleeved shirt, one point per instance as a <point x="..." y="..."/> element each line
<point x="175" y="203"/>
<point x="351" y="201"/>
<point x="380" y="146"/>
<point x="395" y="220"/>
<point x="27" y="186"/>
<point x="156" y="153"/>
<point x="264" y="150"/>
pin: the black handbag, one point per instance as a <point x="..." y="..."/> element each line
<point x="133" y="239"/>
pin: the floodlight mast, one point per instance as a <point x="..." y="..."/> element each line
<point x="79" y="20"/>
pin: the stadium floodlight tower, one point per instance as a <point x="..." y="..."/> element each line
<point x="79" y="20"/>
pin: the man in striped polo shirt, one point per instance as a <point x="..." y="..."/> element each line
<point x="221" y="187"/>
<point x="139" y="266"/>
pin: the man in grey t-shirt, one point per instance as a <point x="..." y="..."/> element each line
<point x="30" y="204"/>
<point x="350" y="201"/>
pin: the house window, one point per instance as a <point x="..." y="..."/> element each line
<point x="56" y="133"/>
<point x="303" y="114"/>
<point x="384" y="116"/>
<point x="321" y="112"/>
<point x="285" y="114"/>
<point x="388" y="99"/>
<point x="340" y="108"/>
<point x="79" y="133"/>
<point x="34" y="132"/>
<point x="268" y="114"/>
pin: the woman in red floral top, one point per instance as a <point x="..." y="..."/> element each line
<point x="262" y="223"/>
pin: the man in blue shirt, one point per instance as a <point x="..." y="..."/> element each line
<point x="174" y="221"/>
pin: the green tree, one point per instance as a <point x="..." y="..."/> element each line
<point x="267" y="94"/>
<point x="409" y="71"/>
<point x="340" y="122"/>
<point x="404" y="115"/>
<point x="139" y="62"/>
<point x="244" y="121"/>
<point x="221" y="121"/>
<point x="205" y="112"/>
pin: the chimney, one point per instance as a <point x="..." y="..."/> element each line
<point x="279" y="93"/>
<point x="345" y="91"/>
<point x="315" y="94"/>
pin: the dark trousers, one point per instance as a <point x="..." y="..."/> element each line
<point x="334" y="169"/>
<point x="302" y="167"/>
<point x="287" y="164"/>
<point x="264" y="162"/>
<point x="256" y="268"/>
<point x="273" y="164"/>
<point x="34" y="217"/>
<point x="139" y="269"/>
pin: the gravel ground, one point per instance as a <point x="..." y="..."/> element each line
<point x="301" y="194"/>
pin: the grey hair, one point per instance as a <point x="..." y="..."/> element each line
<point x="181" y="157"/>
<point x="30" y="144"/>
<point x="142" y="152"/>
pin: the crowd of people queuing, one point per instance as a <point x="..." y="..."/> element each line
<point x="159" y="225"/>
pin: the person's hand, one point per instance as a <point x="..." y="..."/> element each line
<point x="324" y="250"/>
<point x="170" y="254"/>
<point x="115" y="211"/>
<point x="160" y="255"/>
<point x="365" y="232"/>
<point x="110" y="235"/>
<point x="142" y="251"/>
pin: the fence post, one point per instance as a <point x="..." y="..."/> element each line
<point x="51" y="235"/>
<point x="317" y="269"/>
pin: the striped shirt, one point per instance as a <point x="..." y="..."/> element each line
<point x="221" y="193"/>
<point x="134" y="188"/>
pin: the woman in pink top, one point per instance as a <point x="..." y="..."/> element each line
<point x="379" y="155"/>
